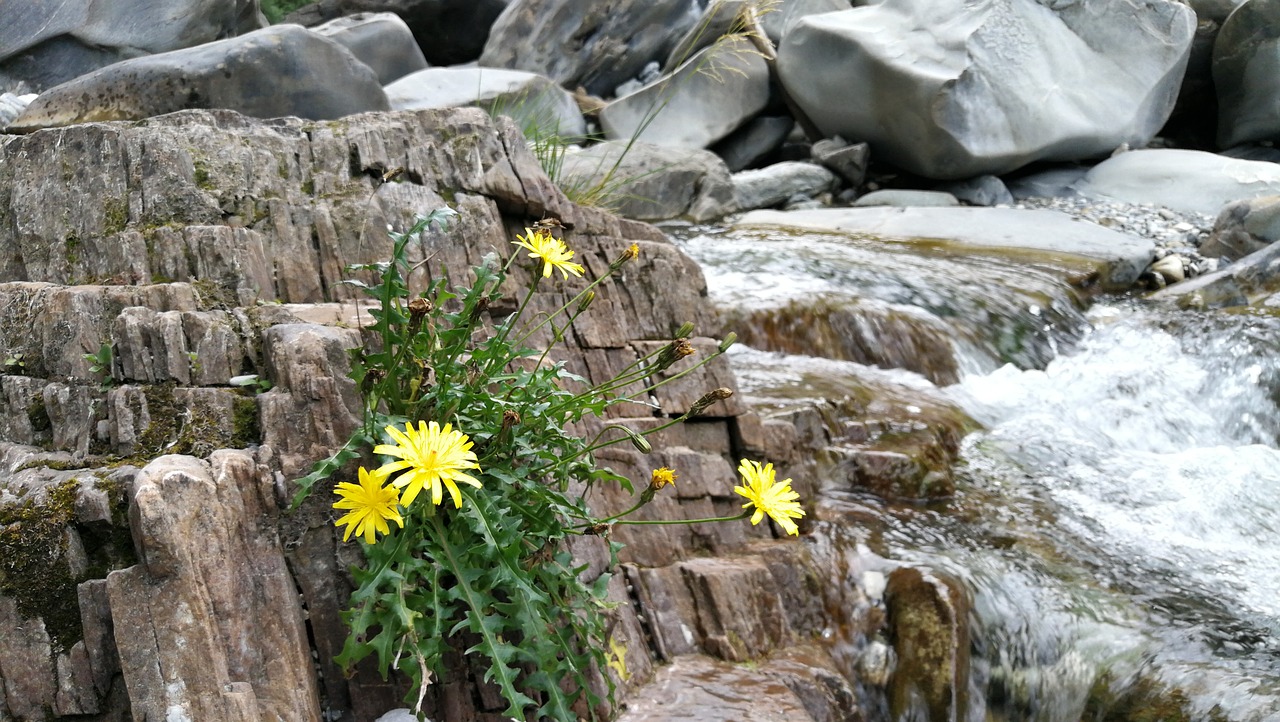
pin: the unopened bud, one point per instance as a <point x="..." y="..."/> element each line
<point x="685" y="330"/>
<point x="730" y="339"/>
<point x="708" y="399"/>
<point x="642" y="444"/>
<point x="586" y="301"/>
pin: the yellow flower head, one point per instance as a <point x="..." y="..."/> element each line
<point x="768" y="496"/>
<point x="372" y="505"/>
<point x="662" y="477"/>
<point x="434" y="458"/>
<point x="553" y="252"/>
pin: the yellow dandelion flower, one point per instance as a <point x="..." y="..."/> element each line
<point x="662" y="477"/>
<point x="433" y="458"/>
<point x="768" y="496"/>
<point x="371" y="506"/>
<point x="554" y="253"/>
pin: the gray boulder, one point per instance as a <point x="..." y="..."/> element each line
<point x="537" y="104"/>
<point x="597" y="44"/>
<point x="769" y="186"/>
<point x="950" y="90"/>
<point x="718" y="20"/>
<point x="903" y="198"/>
<point x="847" y="160"/>
<point x="714" y="93"/>
<point x="753" y="141"/>
<point x="47" y="42"/>
<point x="11" y="106"/>
<point x="1246" y="72"/>
<point x="1252" y="279"/>
<point x="787" y="13"/>
<point x="279" y="71"/>
<point x="1244" y="227"/>
<point x="380" y="40"/>
<point x="1116" y="258"/>
<point x="1189" y="181"/>
<point x="650" y="182"/>
<point x="448" y="31"/>
<point x="985" y="190"/>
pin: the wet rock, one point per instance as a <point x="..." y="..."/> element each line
<point x="448" y="32"/>
<point x="907" y="199"/>
<point x="380" y="40"/>
<point x="539" y="106"/>
<point x="597" y="45"/>
<point x="929" y="629"/>
<point x="1244" y="227"/>
<point x="699" y="689"/>
<point x="44" y="43"/>
<point x="1116" y="258"/>
<point x="650" y="182"/>
<point x="1246" y="57"/>
<point x="966" y="111"/>
<point x="1248" y="280"/>
<point x="769" y="186"/>
<point x="718" y="19"/>
<point x="704" y="100"/>
<point x="278" y="71"/>
<point x="1170" y="268"/>
<point x="1184" y="180"/>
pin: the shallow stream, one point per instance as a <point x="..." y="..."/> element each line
<point x="1116" y="525"/>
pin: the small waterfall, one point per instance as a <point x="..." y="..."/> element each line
<point x="1116" y="525"/>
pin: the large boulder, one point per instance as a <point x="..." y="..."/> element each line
<point x="47" y="42"/>
<point x="1244" y="227"/>
<point x="1246" y="72"/>
<point x="597" y="44"/>
<point x="650" y="182"/>
<point x="380" y="40"/>
<point x="714" y="93"/>
<point x="539" y="106"/>
<point x="1189" y="181"/>
<point x="950" y="89"/>
<point x="448" y="31"/>
<point x="279" y="71"/>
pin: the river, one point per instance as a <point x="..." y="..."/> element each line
<point x="1116" y="521"/>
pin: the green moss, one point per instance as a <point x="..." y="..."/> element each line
<point x="202" y="175"/>
<point x="1144" y="700"/>
<point x="71" y="247"/>
<point x="34" y="570"/>
<point x="245" y="427"/>
<point x="115" y="216"/>
<point x="38" y="416"/>
<point x="309" y="186"/>
<point x="211" y="296"/>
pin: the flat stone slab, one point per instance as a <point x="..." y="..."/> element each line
<point x="700" y="689"/>
<point x="1045" y="235"/>
<point x="1190" y="181"/>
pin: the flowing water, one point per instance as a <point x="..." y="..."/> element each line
<point x="1117" y="521"/>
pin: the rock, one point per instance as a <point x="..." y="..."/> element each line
<point x="448" y="32"/>
<point x="1117" y="258"/>
<point x="714" y="93"/>
<point x="1053" y="183"/>
<point x="774" y="184"/>
<point x="757" y="139"/>
<point x="650" y="182"/>
<point x="1244" y="227"/>
<point x="214" y="629"/>
<point x="1247" y="281"/>
<point x="539" y="106"/>
<point x="44" y="42"/>
<point x="11" y="106"/>
<point x="589" y="43"/>
<point x="787" y="13"/>
<point x="1184" y="180"/>
<point x="279" y="71"/>
<point x="929" y="626"/>
<point x="849" y="161"/>
<point x="1246" y="72"/>
<point x="698" y="689"/>
<point x="949" y="90"/>
<point x="985" y="190"/>
<point x="907" y="198"/>
<point x="718" y="20"/>
<point x="380" y="40"/>
<point x="1170" y="268"/>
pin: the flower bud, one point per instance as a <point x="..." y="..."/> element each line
<point x="708" y="399"/>
<point x="685" y="330"/>
<point x="730" y="339"/>
<point x="585" y="303"/>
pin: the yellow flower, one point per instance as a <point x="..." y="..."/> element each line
<point x="768" y="496"/>
<point x="618" y="659"/>
<point x="434" y="457"/>
<point x="662" y="477"/>
<point x="372" y="505"/>
<point x="553" y="252"/>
